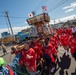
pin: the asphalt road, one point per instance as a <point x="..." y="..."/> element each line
<point x="8" y="57"/>
<point x="66" y="64"/>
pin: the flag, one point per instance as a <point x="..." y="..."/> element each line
<point x="44" y="8"/>
<point x="30" y="15"/>
<point x="34" y="13"/>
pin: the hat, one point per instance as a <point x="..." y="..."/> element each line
<point x="2" y="61"/>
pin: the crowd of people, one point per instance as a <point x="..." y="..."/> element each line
<point x="39" y="54"/>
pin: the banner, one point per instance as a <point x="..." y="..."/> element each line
<point x="30" y="15"/>
<point x="44" y="8"/>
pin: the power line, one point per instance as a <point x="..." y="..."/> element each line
<point x="13" y="16"/>
<point x="55" y="5"/>
<point x="38" y="5"/>
<point x="12" y="23"/>
<point x="52" y="3"/>
<point x="17" y="17"/>
<point x="2" y="16"/>
<point x="51" y="9"/>
<point x="41" y="5"/>
<point x="59" y="4"/>
<point x="44" y="3"/>
<point x="2" y="23"/>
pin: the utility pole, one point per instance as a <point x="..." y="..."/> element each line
<point x="7" y="25"/>
<point x="59" y="21"/>
<point x="6" y="22"/>
<point x="54" y="21"/>
<point x="6" y="13"/>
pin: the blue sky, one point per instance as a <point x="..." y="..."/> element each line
<point x="21" y="8"/>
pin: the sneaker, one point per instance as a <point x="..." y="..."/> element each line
<point x="52" y="70"/>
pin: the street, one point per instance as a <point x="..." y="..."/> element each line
<point x="66" y="64"/>
<point x="8" y="57"/>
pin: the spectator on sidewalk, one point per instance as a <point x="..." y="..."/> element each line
<point x="3" y="48"/>
<point x="0" y="45"/>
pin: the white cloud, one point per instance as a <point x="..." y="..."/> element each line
<point x="66" y="7"/>
<point x="71" y="17"/>
<point x="70" y="8"/>
<point x="54" y="21"/>
<point x="15" y="29"/>
<point x="72" y="5"/>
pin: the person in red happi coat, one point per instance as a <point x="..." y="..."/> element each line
<point x="28" y="58"/>
<point x="72" y="43"/>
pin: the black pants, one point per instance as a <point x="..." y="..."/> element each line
<point x="4" y="51"/>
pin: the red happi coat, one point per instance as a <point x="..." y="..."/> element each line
<point x="29" y="63"/>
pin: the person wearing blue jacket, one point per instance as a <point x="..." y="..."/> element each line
<point x="12" y="68"/>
